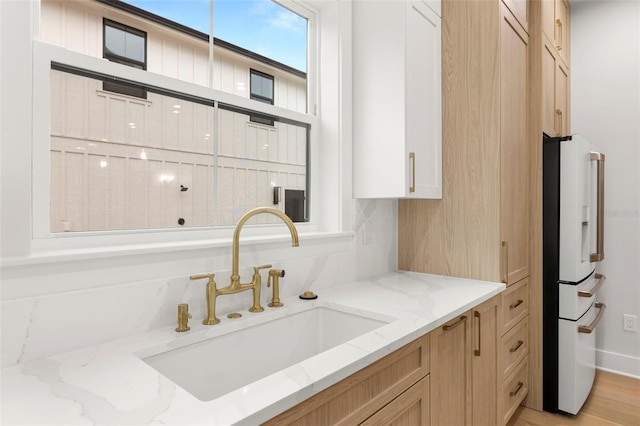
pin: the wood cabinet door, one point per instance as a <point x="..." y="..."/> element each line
<point x="562" y="12"/>
<point x="484" y="364"/>
<point x="451" y="372"/>
<point x="562" y="98"/>
<point x="514" y="152"/>
<point x="550" y="122"/>
<point x="409" y="409"/>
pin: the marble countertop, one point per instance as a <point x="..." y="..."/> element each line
<point x="111" y="384"/>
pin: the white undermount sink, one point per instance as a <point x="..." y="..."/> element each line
<point x="216" y="366"/>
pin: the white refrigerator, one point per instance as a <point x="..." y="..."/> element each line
<point x="573" y="241"/>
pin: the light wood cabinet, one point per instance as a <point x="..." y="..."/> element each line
<point x="481" y="228"/>
<point x="514" y="152"/>
<point x="354" y="399"/>
<point x="464" y="368"/>
<point x="555" y="25"/>
<point x="397" y="100"/>
<point x="485" y="363"/>
<point x="555" y="98"/>
<point x="513" y="349"/>
<point x="451" y="379"/>
<point x="409" y="409"/>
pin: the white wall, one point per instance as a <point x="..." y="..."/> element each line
<point x="605" y="102"/>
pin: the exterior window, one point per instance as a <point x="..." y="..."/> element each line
<point x="185" y="144"/>
<point x="261" y="90"/>
<point x="128" y="46"/>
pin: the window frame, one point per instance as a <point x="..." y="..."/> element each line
<point x="25" y="219"/>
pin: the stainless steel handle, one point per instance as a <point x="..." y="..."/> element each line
<point x="594" y="290"/>
<point x="476" y="352"/>
<point x="599" y="254"/>
<point x="515" y="392"/>
<point x="517" y="346"/>
<point x="505" y="266"/>
<point x="455" y="324"/>
<point x="412" y="158"/>
<point x="589" y="328"/>
<point x="515" y="305"/>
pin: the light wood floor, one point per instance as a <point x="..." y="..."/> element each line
<point x="614" y="400"/>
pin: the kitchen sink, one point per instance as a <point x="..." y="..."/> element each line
<point x="218" y="365"/>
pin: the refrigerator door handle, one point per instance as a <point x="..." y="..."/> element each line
<point x="594" y="290"/>
<point x="589" y="328"/>
<point x="599" y="254"/>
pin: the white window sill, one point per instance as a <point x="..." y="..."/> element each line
<point x="42" y="257"/>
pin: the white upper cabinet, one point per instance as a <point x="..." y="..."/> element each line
<point x="397" y="99"/>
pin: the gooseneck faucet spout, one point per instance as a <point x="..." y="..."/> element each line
<point x="235" y="277"/>
<point x="256" y="282"/>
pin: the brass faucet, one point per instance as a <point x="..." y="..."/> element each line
<point x="236" y="287"/>
<point x="274" y="277"/>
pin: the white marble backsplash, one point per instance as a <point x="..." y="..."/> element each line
<point x="42" y="317"/>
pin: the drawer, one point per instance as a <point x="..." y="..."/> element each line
<point x="514" y="346"/>
<point x="513" y="391"/>
<point x="514" y="305"/>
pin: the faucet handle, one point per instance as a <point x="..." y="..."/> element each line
<point x="202" y="277"/>
<point x="257" y="268"/>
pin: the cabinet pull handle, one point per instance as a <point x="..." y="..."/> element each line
<point x="599" y="254"/>
<point x="455" y="324"/>
<point x="515" y="305"/>
<point x="559" y="119"/>
<point x="594" y="290"/>
<point x="517" y="346"/>
<point x="412" y="158"/>
<point x="589" y="328"/>
<point x="559" y="25"/>
<point x="515" y="392"/>
<point x="505" y="256"/>
<point x="476" y="352"/>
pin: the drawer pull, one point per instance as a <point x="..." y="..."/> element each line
<point x="515" y="392"/>
<point x="515" y="305"/>
<point x="589" y="328"/>
<point x="477" y="352"/>
<point x="517" y="346"/>
<point x="594" y="290"/>
<point x="455" y="324"/>
<point x="505" y="263"/>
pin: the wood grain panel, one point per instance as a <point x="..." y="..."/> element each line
<point x="485" y="363"/>
<point x="409" y="409"/>
<point x="357" y="397"/>
<point x="514" y="150"/>
<point x="451" y="373"/>
<point x="459" y="235"/>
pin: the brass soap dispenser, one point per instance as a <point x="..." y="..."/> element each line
<point x="183" y="318"/>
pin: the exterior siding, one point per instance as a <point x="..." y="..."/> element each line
<point x="117" y="162"/>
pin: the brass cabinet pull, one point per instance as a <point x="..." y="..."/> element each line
<point x="517" y="346"/>
<point x="476" y="352"/>
<point x="505" y="266"/>
<point x="455" y="324"/>
<point x="559" y="25"/>
<point x="515" y="305"/>
<point x="515" y="392"/>
<point x="559" y="119"/>
<point x="594" y="290"/>
<point x="589" y="328"/>
<point x="599" y="254"/>
<point x="412" y="158"/>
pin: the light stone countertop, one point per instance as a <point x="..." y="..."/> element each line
<point x="109" y="384"/>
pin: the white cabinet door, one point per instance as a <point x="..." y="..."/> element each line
<point x="397" y="101"/>
<point x="424" y="102"/>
